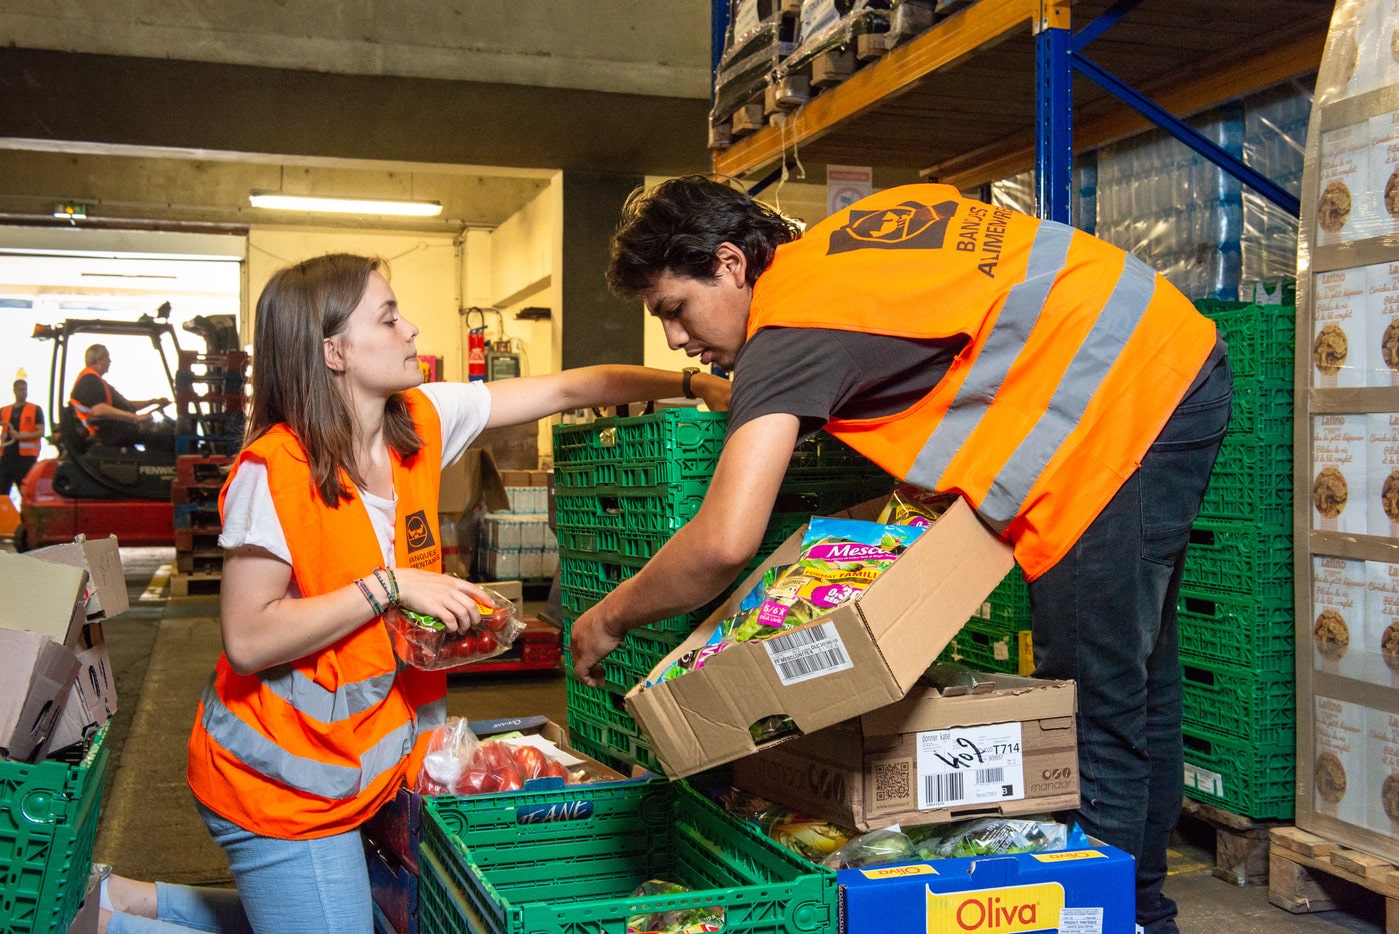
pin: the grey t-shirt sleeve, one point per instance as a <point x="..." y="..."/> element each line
<point x="818" y="373"/>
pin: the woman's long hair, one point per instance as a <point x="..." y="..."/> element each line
<point x="300" y="307"/>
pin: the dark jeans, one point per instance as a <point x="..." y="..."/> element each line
<point x="12" y="471"/>
<point x="1105" y="616"/>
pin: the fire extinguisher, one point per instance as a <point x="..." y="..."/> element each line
<point x="476" y="348"/>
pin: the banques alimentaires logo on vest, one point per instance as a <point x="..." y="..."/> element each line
<point x="422" y="545"/>
<point x="907" y="226"/>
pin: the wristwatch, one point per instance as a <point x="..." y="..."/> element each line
<point x="686" y="375"/>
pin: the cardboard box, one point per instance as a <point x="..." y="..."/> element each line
<point x="92" y="700"/>
<point x="1339" y="771"/>
<point x="472" y="481"/>
<point x="1339" y="477"/>
<point x="85" y="921"/>
<point x="1078" y="890"/>
<point x="101" y="558"/>
<point x="43" y="597"/>
<point x="1007" y="748"/>
<point x="394" y="829"/>
<point x="36" y="674"/>
<point x="1341" y="597"/>
<point x="866" y="654"/>
<point x="1339" y="356"/>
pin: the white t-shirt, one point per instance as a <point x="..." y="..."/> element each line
<point x="250" y="518"/>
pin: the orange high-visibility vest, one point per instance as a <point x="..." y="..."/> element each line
<point x="83" y="412"/>
<point x="28" y="421"/>
<point x="1077" y="353"/>
<point x="315" y="747"/>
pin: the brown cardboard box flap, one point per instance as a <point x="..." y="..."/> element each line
<point x="43" y="597"/>
<point x="36" y="674"/>
<point x="101" y="558"/>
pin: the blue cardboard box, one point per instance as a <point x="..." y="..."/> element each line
<point x="1077" y="891"/>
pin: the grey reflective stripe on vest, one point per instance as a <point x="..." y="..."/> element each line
<point x="1100" y="349"/>
<point x="311" y="699"/>
<point x="309" y="775"/>
<point x="1012" y="328"/>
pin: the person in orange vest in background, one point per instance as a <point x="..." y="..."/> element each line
<point x="108" y="416"/>
<point x="1069" y="393"/>
<point x="21" y="433"/>
<point x="330" y="517"/>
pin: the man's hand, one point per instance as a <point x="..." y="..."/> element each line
<point x="713" y="390"/>
<point x="590" y="642"/>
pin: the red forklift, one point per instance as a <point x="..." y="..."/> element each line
<point x="96" y="489"/>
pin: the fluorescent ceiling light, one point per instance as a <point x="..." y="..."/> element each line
<point x="284" y="202"/>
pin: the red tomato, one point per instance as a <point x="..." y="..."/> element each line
<point x="554" y="770"/>
<point x="530" y="760"/>
<point x="471" y="782"/>
<point x="510" y="778"/>
<point x="486" y="642"/>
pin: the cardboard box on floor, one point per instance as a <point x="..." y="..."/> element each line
<point x="866" y="654"/>
<point x="470" y="487"/>
<point x="1007" y="747"/>
<point x="101" y="558"/>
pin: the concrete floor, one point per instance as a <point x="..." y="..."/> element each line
<point x="163" y="649"/>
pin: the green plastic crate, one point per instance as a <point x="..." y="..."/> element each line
<point x="1259" y="707"/>
<point x="1008" y="605"/>
<point x="1238" y="630"/>
<point x="1260" y="337"/>
<point x="1262" y="408"/>
<point x="1239" y="777"/>
<point x="500" y="868"/>
<point x="1239" y="558"/>
<point x="989" y="647"/>
<point x="1251" y="482"/>
<point x="599" y="715"/>
<point x="48" y="823"/>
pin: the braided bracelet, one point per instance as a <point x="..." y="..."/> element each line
<point x="391" y="593"/>
<point x="374" y="604"/>
<point x="393" y="582"/>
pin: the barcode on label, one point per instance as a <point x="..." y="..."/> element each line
<point x="948" y="787"/>
<point x="990" y="776"/>
<point x="808" y="653"/>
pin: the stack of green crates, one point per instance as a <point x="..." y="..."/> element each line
<point x="48" y="823"/>
<point x="997" y="636"/>
<point x="571" y="860"/>
<point x="622" y="487"/>
<point x="1236" y="602"/>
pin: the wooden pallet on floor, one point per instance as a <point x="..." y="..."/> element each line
<point x="1305" y="872"/>
<point x="1240" y="843"/>
<point x="195" y="585"/>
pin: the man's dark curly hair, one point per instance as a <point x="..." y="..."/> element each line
<point x="677" y="226"/>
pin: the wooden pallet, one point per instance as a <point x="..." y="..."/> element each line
<point x="195" y="585"/>
<point x="1306" y="873"/>
<point x="1240" y="843"/>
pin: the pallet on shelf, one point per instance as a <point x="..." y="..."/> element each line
<point x="195" y="585"/>
<point x="1303" y="870"/>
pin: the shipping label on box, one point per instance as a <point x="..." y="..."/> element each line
<point x="1338" y="341"/>
<point x="1339" y="449"/>
<point x="1382" y="324"/>
<point x="1338" y="760"/>
<point x="1077" y="891"/>
<point x="873" y="648"/>
<point x="1382" y="812"/>
<point x="1343" y="210"/>
<point x="1340" y="598"/>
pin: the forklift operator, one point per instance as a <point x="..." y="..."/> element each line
<point x="108" y="416"/>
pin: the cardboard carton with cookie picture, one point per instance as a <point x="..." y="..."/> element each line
<point x="1339" y="474"/>
<point x="1340" y="596"/>
<point x="1345" y="210"/>
<point x="1384" y="170"/>
<point x="1376" y="641"/>
<point x="1340" y="314"/>
<point x="1382" y="738"/>
<point x="1382" y="472"/>
<point x="1382" y="324"/>
<point x="1339" y="773"/>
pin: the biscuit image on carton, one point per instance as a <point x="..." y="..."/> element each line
<point x="1330" y="349"/>
<point x="1330" y="492"/>
<point x="1331" y="634"/>
<point x="1389" y="796"/>
<point x="1389" y="646"/>
<point x="1394" y="45"/>
<point x="1389" y="345"/>
<point x="1346" y="53"/>
<point x="1333" y="210"/>
<point x="1391" y="194"/>
<point x="1389" y="496"/>
<point x="1329" y="778"/>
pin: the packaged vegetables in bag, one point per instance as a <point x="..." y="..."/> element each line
<point x="839" y="560"/>
<point x="425" y="642"/>
<point x="700" y="920"/>
<point x="457" y="762"/>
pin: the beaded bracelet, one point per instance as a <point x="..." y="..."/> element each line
<point x="374" y="604"/>
<point x="391" y="593"/>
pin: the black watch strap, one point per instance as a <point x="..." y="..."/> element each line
<point x="686" y="375"/>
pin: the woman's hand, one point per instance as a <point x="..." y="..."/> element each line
<point x="450" y="599"/>
<point x="713" y="390"/>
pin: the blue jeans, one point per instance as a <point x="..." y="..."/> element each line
<point x="1105" y="616"/>
<point x="305" y="886"/>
